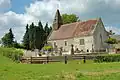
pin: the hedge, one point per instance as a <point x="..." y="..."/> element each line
<point x="12" y="53"/>
<point x="107" y="58"/>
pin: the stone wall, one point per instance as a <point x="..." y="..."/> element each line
<point x="100" y="35"/>
<point x="88" y="40"/>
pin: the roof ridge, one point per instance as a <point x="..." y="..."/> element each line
<point x="69" y="23"/>
<point x="80" y="21"/>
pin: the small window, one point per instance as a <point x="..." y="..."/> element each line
<point x="87" y="50"/>
<point x="82" y="42"/>
<point x="65" y="43"/>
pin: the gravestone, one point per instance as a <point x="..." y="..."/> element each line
<point x="61" y="49"/>
<point x="72" y="49"/>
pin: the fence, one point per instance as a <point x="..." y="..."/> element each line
<point x="57" y="59"/>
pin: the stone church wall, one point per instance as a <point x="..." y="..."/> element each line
<point x="100" y="35"/>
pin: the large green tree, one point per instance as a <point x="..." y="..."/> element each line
<point x="69" y="18"/>
<point x="26" y="38"/>
<point x="36" y="36"/>
<point x="8" y="39"/>
<point x="41" y="34"/>
<point x="31" y="36"/>
<point x="47" y="30"/>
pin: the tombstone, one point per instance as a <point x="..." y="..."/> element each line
<point x="72" y="49"/>
<point x="56" y="49"/>
<point x="36" y="52"/>
<point x="61" y="49"/>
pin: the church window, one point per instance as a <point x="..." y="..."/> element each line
<point x="65" y="43"/>
<point x="87" y="50"/>
<point x="82" y="42"/>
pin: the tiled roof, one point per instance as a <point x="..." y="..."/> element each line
<point x="66" y="31"/>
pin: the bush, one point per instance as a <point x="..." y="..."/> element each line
<point x="47" y="47"/>
<point x="107" y="58"/>
<point x="12" y="53"/>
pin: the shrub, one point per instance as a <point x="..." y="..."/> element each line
<point x="47" y="47"/>
<point x="107" y="58"/>
<point x="12" y="53"/>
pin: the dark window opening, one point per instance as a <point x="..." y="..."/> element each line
<point x="65" y="43"/>
<point x="87" y="50"/>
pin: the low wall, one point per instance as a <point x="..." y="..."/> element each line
<point x="28" y="53"/>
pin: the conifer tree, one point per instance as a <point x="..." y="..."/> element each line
<point x="31" y="36"/>
<point x="26" y="38"/>
<point x="47" y="30"/>
<point x="41" y="35"/>
<point x="8" y="39"/>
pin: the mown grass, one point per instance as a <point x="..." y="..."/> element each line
<point x="74" y="70"/>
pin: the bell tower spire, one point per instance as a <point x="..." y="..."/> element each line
<point x="57" y="21"/>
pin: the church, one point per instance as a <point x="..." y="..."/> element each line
<point x="87" y="36"/>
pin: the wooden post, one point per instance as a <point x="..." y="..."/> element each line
<point x="84" y="59"/>
<point x="47" y="59"/>
<point x="65" y="59"/>
<point x="31" y="60"/>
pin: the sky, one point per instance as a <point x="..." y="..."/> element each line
<point x="16" y="14"/>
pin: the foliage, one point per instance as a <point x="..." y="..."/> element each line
<point x="26" y="38"/>
<point x="8" y="39"/>
<point x="111" y="41"/>
<point x="107" y="58"/>
<point x="47" y="47"/>
<point x="36" y="36"/>
<point x="31" y="36"/>
<point x="69" y="18"/>
<point x="12" y="53"/>
<point x="18" y="45"/>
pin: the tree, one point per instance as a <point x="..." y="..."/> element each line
<point x="69" y="18"/>
<point x="31" y="36"/>
<point x="111" y="41"/>
<point x="16" y="45"/>
<point x="8" y="39"/>
<point x="47" y="30"/>
<point x="36" y="36"/>
<point x="41" y="34"/>
<point x="26" y="38"/>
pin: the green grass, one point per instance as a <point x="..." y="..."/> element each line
<point x="74" y="70"/>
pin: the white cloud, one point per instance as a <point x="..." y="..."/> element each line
<point x="45" y="10"/>
<point x="4" y="5"/>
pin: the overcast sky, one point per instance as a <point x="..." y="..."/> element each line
<point x="16" y="14"/>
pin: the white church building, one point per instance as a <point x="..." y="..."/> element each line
<point x="87" y="36"/>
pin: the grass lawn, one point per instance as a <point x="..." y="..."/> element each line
<point x="74" y="70"/>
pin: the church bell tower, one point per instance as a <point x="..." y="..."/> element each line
<point x="57" y="21"/>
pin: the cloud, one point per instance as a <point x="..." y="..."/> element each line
<point x="4" y="5"/>
<point x="44" y="10"/>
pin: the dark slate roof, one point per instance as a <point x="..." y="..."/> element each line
<point x="82" y="28"/>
